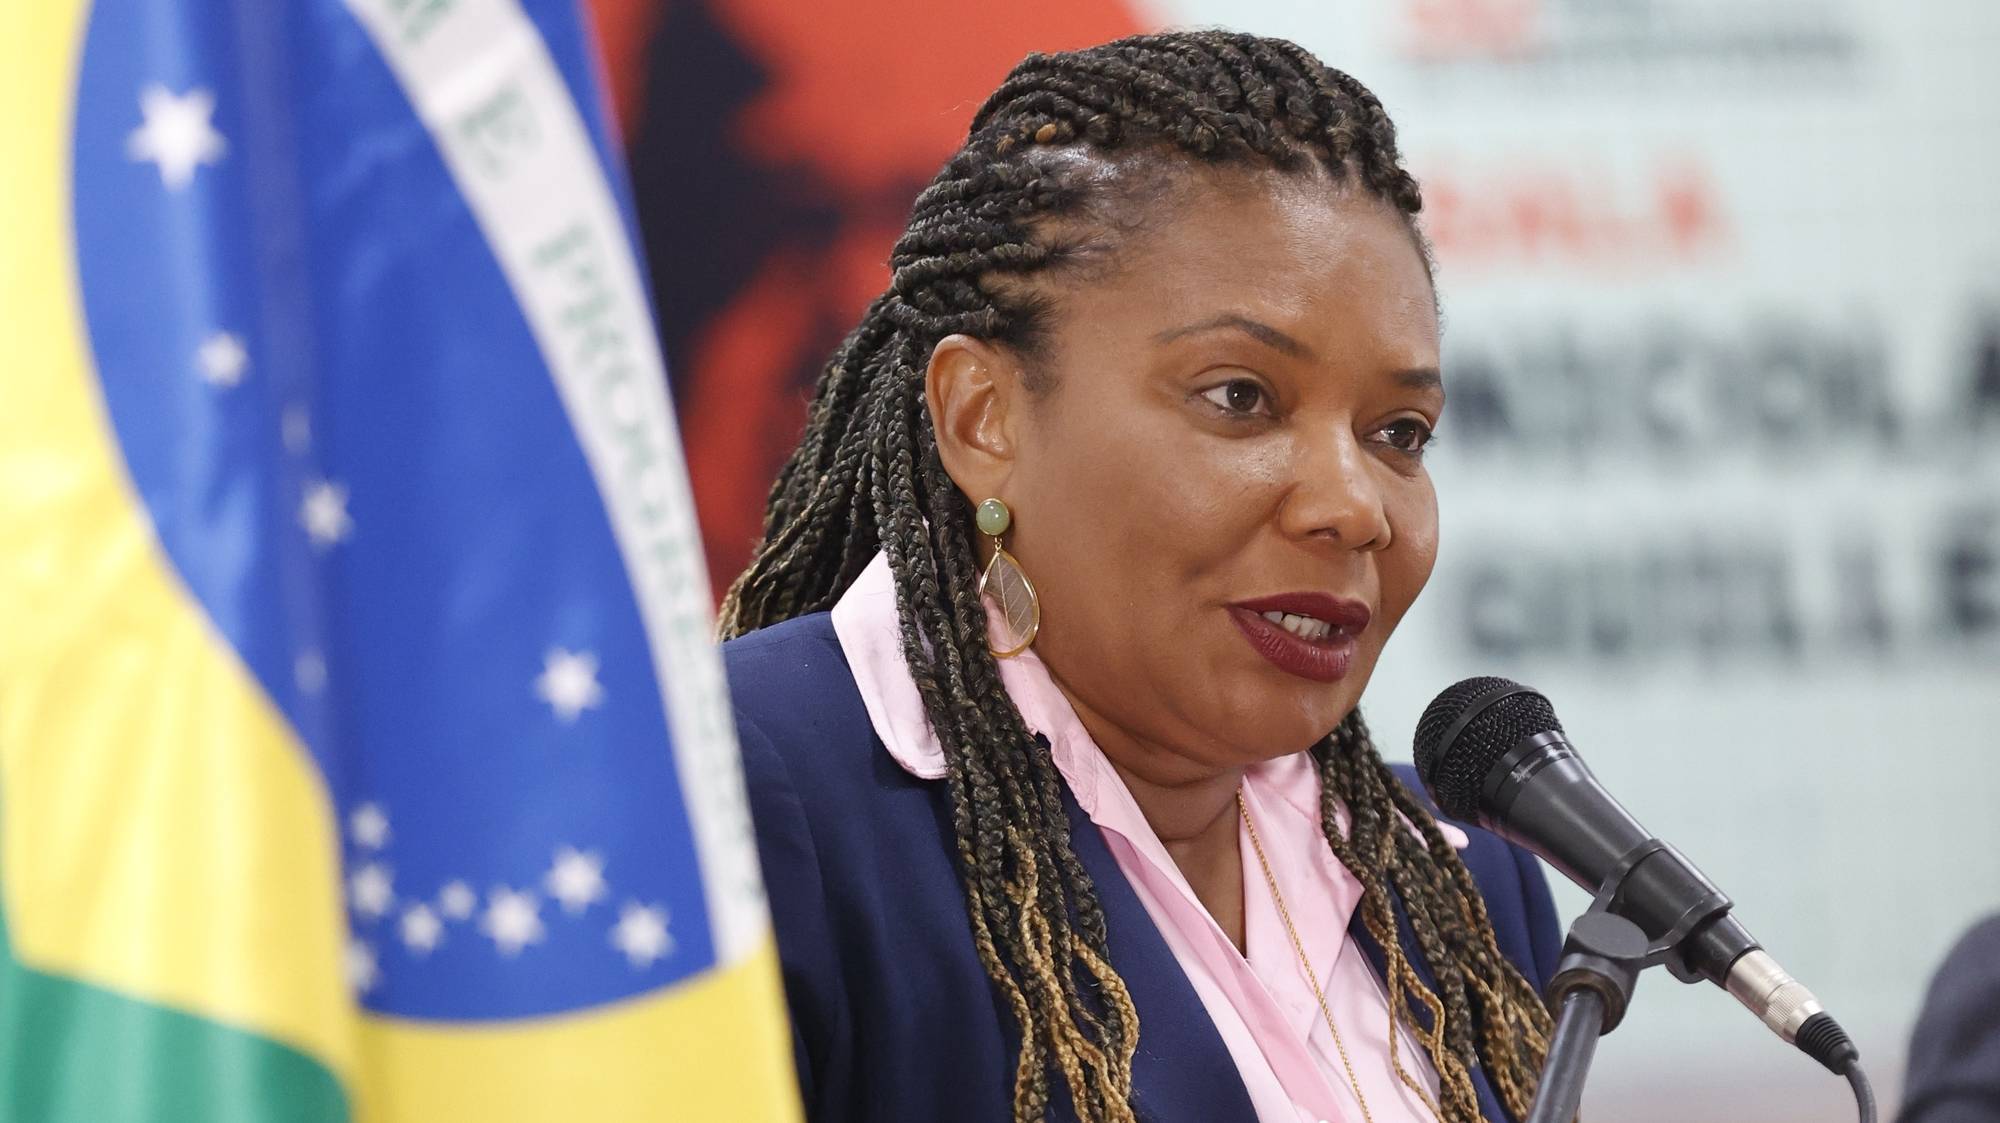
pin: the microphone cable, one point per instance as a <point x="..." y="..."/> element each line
<point x="1822" y="1039"/>
<point x="1864" y="1096"/>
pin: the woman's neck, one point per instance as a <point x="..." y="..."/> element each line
<point x="1192" y="809"/>
<point x="1184" y="811"/>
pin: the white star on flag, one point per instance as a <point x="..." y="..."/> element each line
<point x="641" y="933"/>
<point x="457" y="900"/>
<point x="576" y="879"/>
<point x="421" y="929"/>
<point x="368" y="825"/>
<point x="176" y="134"/>
<point x="295" y="427"/>
<point x="512" y="920"/>
<point x="309" y="671"/>
<point x="323" y="512"/>
<point x="222" y="359"/>
<point x="359" y="963"/>
<point x="372" y="890"/>
<point x="568" y="682"/>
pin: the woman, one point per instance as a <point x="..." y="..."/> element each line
<point x="1049" y="660"/>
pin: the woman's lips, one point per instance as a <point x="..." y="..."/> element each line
<point x="1322" y="659"/>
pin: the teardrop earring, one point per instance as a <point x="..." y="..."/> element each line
<point x="1006" y="587"/>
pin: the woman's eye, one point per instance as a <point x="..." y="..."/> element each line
<point x="1407" y="434"/>
<point x="1239" y="396"/>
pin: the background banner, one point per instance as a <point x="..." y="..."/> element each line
<point x="364" y="751"/>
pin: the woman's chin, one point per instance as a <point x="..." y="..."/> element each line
<point x="1254" y="736"/>
<point x="1308" y="708"/>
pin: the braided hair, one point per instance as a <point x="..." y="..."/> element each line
<point x="1025" y="200"/>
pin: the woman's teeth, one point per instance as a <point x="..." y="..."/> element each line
<point x="1304" y="627"/>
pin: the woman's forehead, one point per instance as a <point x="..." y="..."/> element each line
<point x="1307" y="257"/>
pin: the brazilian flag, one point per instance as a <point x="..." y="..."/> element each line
<point x="364" y="752"/>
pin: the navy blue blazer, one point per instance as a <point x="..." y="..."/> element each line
<point x="893" y="1017"/>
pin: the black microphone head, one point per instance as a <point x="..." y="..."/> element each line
<point x="1454" y="757"/>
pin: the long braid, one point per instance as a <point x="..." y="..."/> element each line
<point x="1393" y="843"/>
<point x="866" y="477"/>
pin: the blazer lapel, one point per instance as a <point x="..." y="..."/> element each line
<point x="1182" y="1073"/>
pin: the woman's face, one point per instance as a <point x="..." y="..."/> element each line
<point x="1231" y="428"/>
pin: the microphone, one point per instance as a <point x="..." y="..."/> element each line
<point x="1490" y="751"/>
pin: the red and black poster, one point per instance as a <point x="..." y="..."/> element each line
<point x="775" y="148"/>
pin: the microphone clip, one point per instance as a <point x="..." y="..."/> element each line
<point x="1594" y="979"/>
<point x="1606" y="951"/>
<point x="1604" y="954"/>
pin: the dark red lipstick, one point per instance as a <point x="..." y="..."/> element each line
<point x="1322" y="658"/>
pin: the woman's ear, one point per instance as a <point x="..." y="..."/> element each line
<point x="975" y="394"/>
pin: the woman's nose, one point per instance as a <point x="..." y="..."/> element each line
<point x="1337" y="497"/>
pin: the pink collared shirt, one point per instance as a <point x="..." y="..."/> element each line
<point x="1260" y="1000"/>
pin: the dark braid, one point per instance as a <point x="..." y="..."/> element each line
<point x="1016" y="204"/>
<point x="1507" y="1025"/>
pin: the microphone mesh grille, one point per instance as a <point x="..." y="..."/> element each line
<point x="1455" y="772"/>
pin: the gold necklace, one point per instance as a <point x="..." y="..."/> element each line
<point x="1299" y="946"/>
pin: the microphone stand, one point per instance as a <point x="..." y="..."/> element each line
<point x="1593" y="984"/>
<point x="1577" y="1029"/>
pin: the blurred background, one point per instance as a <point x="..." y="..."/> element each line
<point x="1721" y="471"/>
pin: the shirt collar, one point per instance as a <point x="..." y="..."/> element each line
<point x="867" y="624"/>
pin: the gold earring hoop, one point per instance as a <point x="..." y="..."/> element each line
<point x="1003" y="585"/>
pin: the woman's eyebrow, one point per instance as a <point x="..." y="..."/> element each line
<point x="1419" y="378"/>
<point x="1261" y="332"/>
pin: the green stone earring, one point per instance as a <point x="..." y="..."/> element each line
<point x="994" y="518"/>
<point x="1015" y="612"/>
